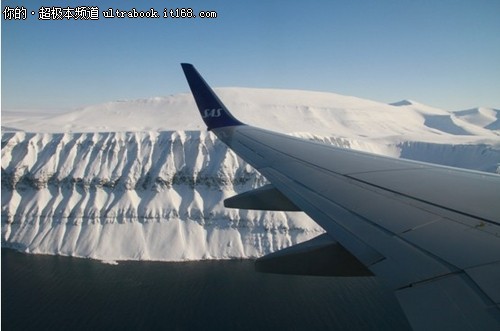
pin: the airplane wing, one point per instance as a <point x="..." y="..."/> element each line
<point x="432" y="233"/>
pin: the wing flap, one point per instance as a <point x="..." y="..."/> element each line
<point x="449" y="303"/>
<point x="445" y="239"/>
<point x="399" y="262"/>
<point x="487" y="277"/>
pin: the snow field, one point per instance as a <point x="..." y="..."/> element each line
<point x="125" y="180"/>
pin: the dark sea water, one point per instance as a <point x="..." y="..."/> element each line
<point x="63" y="293"/>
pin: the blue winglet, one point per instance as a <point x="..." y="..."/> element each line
<point x="212" y="110"/>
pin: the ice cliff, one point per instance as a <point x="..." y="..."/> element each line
<point x="156" y="194"/>
<point x="135" y="195"/>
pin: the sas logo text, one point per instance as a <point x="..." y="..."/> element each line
<point x="214" y="112"/>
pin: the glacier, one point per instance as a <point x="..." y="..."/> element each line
<point x="135" y="195"/>
<point x="142" y="179"/>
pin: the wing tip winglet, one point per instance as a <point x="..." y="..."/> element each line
<point x="212" y="110"/>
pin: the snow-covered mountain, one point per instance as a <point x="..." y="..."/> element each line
<point x="143" y="179"/>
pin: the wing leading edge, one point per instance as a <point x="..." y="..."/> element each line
<point x="432" y="233"/>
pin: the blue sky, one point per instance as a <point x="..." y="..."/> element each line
<point x="443" y="53"/>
